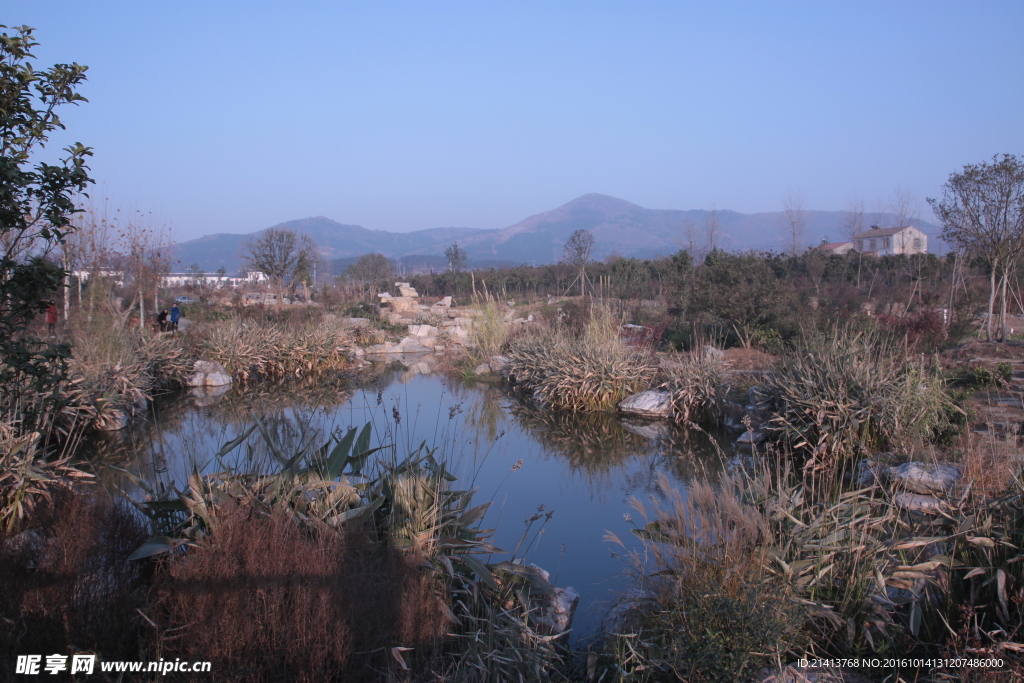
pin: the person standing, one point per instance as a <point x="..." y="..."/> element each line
<point x="51" y="320"/>
<point x="161" y="320"/>
<point x="175" y="316"/>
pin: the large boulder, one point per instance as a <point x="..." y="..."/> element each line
<point x="209" y="373"/>
<point x="501" y="365"/>
<point x="924" y="478"/>
<point x="651" y="403"/>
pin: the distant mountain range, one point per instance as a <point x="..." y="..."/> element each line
<point x="619" y="228"/>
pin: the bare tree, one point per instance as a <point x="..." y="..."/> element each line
<point x="144" y="251"/>
<point x="794" y="220"/>
<point x="692" y="241"/>
<point x="283" y="255"/>
<point x="577" y="251"/>
<point x="852" y="224"/>
<point x="982" y="212"/>
<point x="904" y="207"/>
<point x="712" y="229"/>
<point x="372" y="270"/>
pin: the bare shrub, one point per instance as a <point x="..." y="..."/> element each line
<point x="65" y="583"/>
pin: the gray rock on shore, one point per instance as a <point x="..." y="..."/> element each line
<point x="651" y="403"/>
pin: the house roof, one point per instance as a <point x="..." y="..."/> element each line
<point x="834" y="245"/>
<point x="883" y="232"/>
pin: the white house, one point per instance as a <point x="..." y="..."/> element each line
<point x="887" y="241"/>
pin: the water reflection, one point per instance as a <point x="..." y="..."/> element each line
<point x="584" y="468"/>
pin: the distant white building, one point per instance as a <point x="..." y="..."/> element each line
<point x="888" y="241"/>
<point x="116" y="275"/>
<point x="213" y="280"/>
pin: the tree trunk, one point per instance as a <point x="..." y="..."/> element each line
<point x="991" y="304"/>
<point x="142" y="310"/>
<point x="1002" y="311"/>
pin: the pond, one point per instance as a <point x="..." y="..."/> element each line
<point x="578" y="472"/>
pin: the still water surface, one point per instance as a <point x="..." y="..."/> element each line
<point x="584" y="470"/>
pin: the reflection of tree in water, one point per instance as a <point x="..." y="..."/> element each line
<point x="602" y="448"/>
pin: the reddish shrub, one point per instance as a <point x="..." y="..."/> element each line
<point x="66" y="584"/>
<point x="264" y="600"/>
<point x="924" y="330"/>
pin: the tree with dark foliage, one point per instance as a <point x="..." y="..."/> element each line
<point x="37" y="201"/>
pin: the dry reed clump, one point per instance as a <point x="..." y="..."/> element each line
<point x="877" y="578"/>
<point x="490" y="331"/>
<point x="268" y="601"/>
<point x="28" y="479"/>
<point x="704" y="607"/>
<point x="589" y="371"/>
<point x="698" y="383"/>
<point x="65" y="584"/>
<point x="118" y="368"/>
<point x="839" y="397"/>
<point x="253" y="349"/>
<point x="851" y="575"/>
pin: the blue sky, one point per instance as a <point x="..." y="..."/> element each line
<point x="232" y="116"/>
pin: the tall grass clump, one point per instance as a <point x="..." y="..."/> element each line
<point x="258" y="349"/>
<point x="760" y="568"/>
<point x="490" y="330"/>
<point x="589" y="370"/>
<point x="122" y="365"/>
<point x="846" y="395"/>
<point x="704" y="606"/>
<point x="698" y="383"/>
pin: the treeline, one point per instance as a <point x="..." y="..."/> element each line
<point x="754" y="298"/>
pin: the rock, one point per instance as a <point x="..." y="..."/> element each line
<point x="404" y="289"/>
<point x="915" y="502"/>
<point x="651" y="403"/>
<point x="218" y="379"/>
<point x="748" y="438"/>
<point x="208" y="396"/>
<point x="868" y="472"/>
<point x="925" y="478"/>
<point x="423" y="330"/>
<point x="554" y="613"/>
<point x="713" y="353"/>
<point x="501" y="365"/>
<point x="620" y="617"/>
<point x="655" y="431"/>
<point x="482" y="369"/>
<point x="386" y="347"/>
<point x="208" y="373"/>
